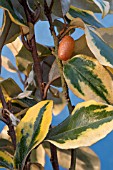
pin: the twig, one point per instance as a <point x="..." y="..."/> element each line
<point x="3" y="99"/>
<point x="73" y="159"/>
<point x="3" y="120"/>
<point x="48" y="85"/>
<point x="8" y="121"/>
<point x="3" y="38"/>
<point x="31" y="46"/>
<point x="25" y="43"/>
<point x="54" y="159"/>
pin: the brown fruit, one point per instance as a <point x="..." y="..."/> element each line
<point x="66" y="48"/>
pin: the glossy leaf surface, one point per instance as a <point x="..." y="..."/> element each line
<point x="32" y="130"/>
<point x="84" y="76"/>
<point x="84" y="127"/>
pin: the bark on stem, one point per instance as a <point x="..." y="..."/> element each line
<point x="7" y="119"/>
<point x="33" y="50"/>
<point x="37" y="67"/>
<point x="54" y="159"/>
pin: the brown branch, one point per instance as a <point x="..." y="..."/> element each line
<point x="3" y="38"/>
<point x="31" y="46"/>
<point x="25" y="43"/>
<point x="73" y="159"/>
<point x="2" y="99"/>
<point x="48" y="85"/>
<point x="8" y="121"/>
<point x="54" y="160"/>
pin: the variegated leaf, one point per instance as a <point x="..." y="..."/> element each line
<point x="15" y="16"/>
<point x="89" y="122"/>
<point x="106" y="34"/>
<point x="6" y="161"/>
<point x="9" y="30"/>
<point x="103" y="5"/>
<point x="94" y="5"/>
<point x="84" y="76"/>
<point x="87" y="16"/>
<point x="6" y="145"/>
<point x="101" y="50"/>
<point x="32" y="130"/>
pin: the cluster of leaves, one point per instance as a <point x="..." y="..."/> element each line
<point x="83" y="73"/>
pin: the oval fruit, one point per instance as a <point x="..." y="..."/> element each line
<point x="66" y="48"/>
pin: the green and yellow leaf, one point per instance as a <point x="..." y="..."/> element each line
<point x="106" y="34"/>
<point x="6" y="161"/>
<point x="15" y="16"/>
<point x="9" y="30"/>
<point x="6" y="145"/>
<point x="89" y="122"/>
<point x="84" y="76"/>
<point x="103" y="5"/>
<point x="32" y="130"/>
<point x="101" y="50"/>
<point x="87" y="16"/>
<point x="94" y="6"/>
